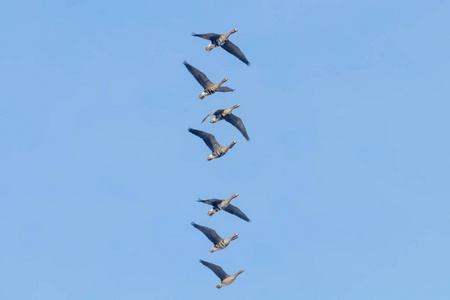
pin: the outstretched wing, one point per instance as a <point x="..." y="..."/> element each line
<point x="216" y="269"/>
<point x="213" y="202"/>
<point x="211" y="234"/>
<point x="207" y="36"/>
<point x="237" y="122"/>
<point x="208" y="138"/>
<point x="216" y="112"/>
<point x="237" y="212"/>
<point x="233" y="49"/>
<point x="201" y="77"/>
<point x="224" y="89"/>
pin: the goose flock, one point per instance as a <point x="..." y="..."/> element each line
<point x="209" y="88"/>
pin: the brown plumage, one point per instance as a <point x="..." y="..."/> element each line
<point x="221" y="40"/>
<point x="224" y="277"/>
<point x="211" y="142"/>
<point x="226" y="114"/>
<point x="210" y="88"/>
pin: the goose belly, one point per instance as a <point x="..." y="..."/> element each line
<point x="220" y="41"/>
<point x="219" y="153"/>
<point x="220" y="246"/>
<point x="227" y="281"/>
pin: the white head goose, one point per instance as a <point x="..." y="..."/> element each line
<point x="224" y="277"/>
<point x="226" y="206"/>
<point x="211" y="142"/>
<point x="225" y="114"/>
<point x="221" y="40"/>
<point x="211" y="234"/>
<point x="210" y="88"/>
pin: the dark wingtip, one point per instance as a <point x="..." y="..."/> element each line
<point x="199" y="200"/>
<point x="194" y="34"/>
<point x="193" y="224"/>
<point x="190" y="129"/>
<point x="184" y="62"/>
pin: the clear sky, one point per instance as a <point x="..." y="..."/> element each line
<point x="346" y="177"/>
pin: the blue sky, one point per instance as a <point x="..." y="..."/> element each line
<point x="345" y="179"/>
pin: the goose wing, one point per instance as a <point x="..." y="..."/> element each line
<point x="199" y="76"/>
<point x="211" y="234"/>
<point x="237" y="122"/>
<point x="224" y="89"/>
<point x="208" y="138"/>
<point x="233" y="49"/>
<point x="216" y="269"/>
<point x="213" y="202"/>
<point x="207" y="36"/>
<point x="216" y="112"/>
<point x="236" y="211"/>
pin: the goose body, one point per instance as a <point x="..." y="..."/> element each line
<point x="224" y="277"/>
<point x="211" y="142"/>
<point x="209" y="87"/>
<point x="227" y="115"/>
<point x="221" y="40"/>
<point x="211" y="234"/>
<point x="218" y="205"/>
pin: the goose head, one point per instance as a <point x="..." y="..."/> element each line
<point x="223" y="81"/>
<point x="232" y="144"/>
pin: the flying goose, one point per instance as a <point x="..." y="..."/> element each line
<point x="226" y="206"/>
<point x="221" y="40"/>
<point x="210" y="88"/>
<point x="211" y="142"/>
<point x="226" y="279"/>
<point x="211" y="234"/>
<point x="226" y="114"/>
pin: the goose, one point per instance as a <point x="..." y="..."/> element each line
<point x="225" y="114"/>
<point x="211" y="234"/>
<point x="226" y="279"/>
<point x="225" y="205"/>
<point x="211" y="142"/>
<point x="210" y="88"/>
<point x="221" y="40"/>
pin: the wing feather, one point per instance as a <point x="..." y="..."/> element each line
<point x="207" y="36"/>
<point x="224" y="89"/>
<point x="199" y="76"/>
<point x="237" y="122"/>
<point x="216" y="269"/>
<point x="208" y="138"/>
<point x="237" y="212"/>
<point x="233" y="49"/>
<point x="213" y="201"/>
<point x="217" y="111"/>
<point x="211" y="234"/>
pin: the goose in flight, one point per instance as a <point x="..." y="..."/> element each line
<point x="210" y="88"/>
<point x="225" y="205"/>
<point x="221" y="40"/>
<point x="225" y="114"/>
<point x="211" y="234"/>
<point x="224" y="277"/>
<point x="211" y="142"/>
